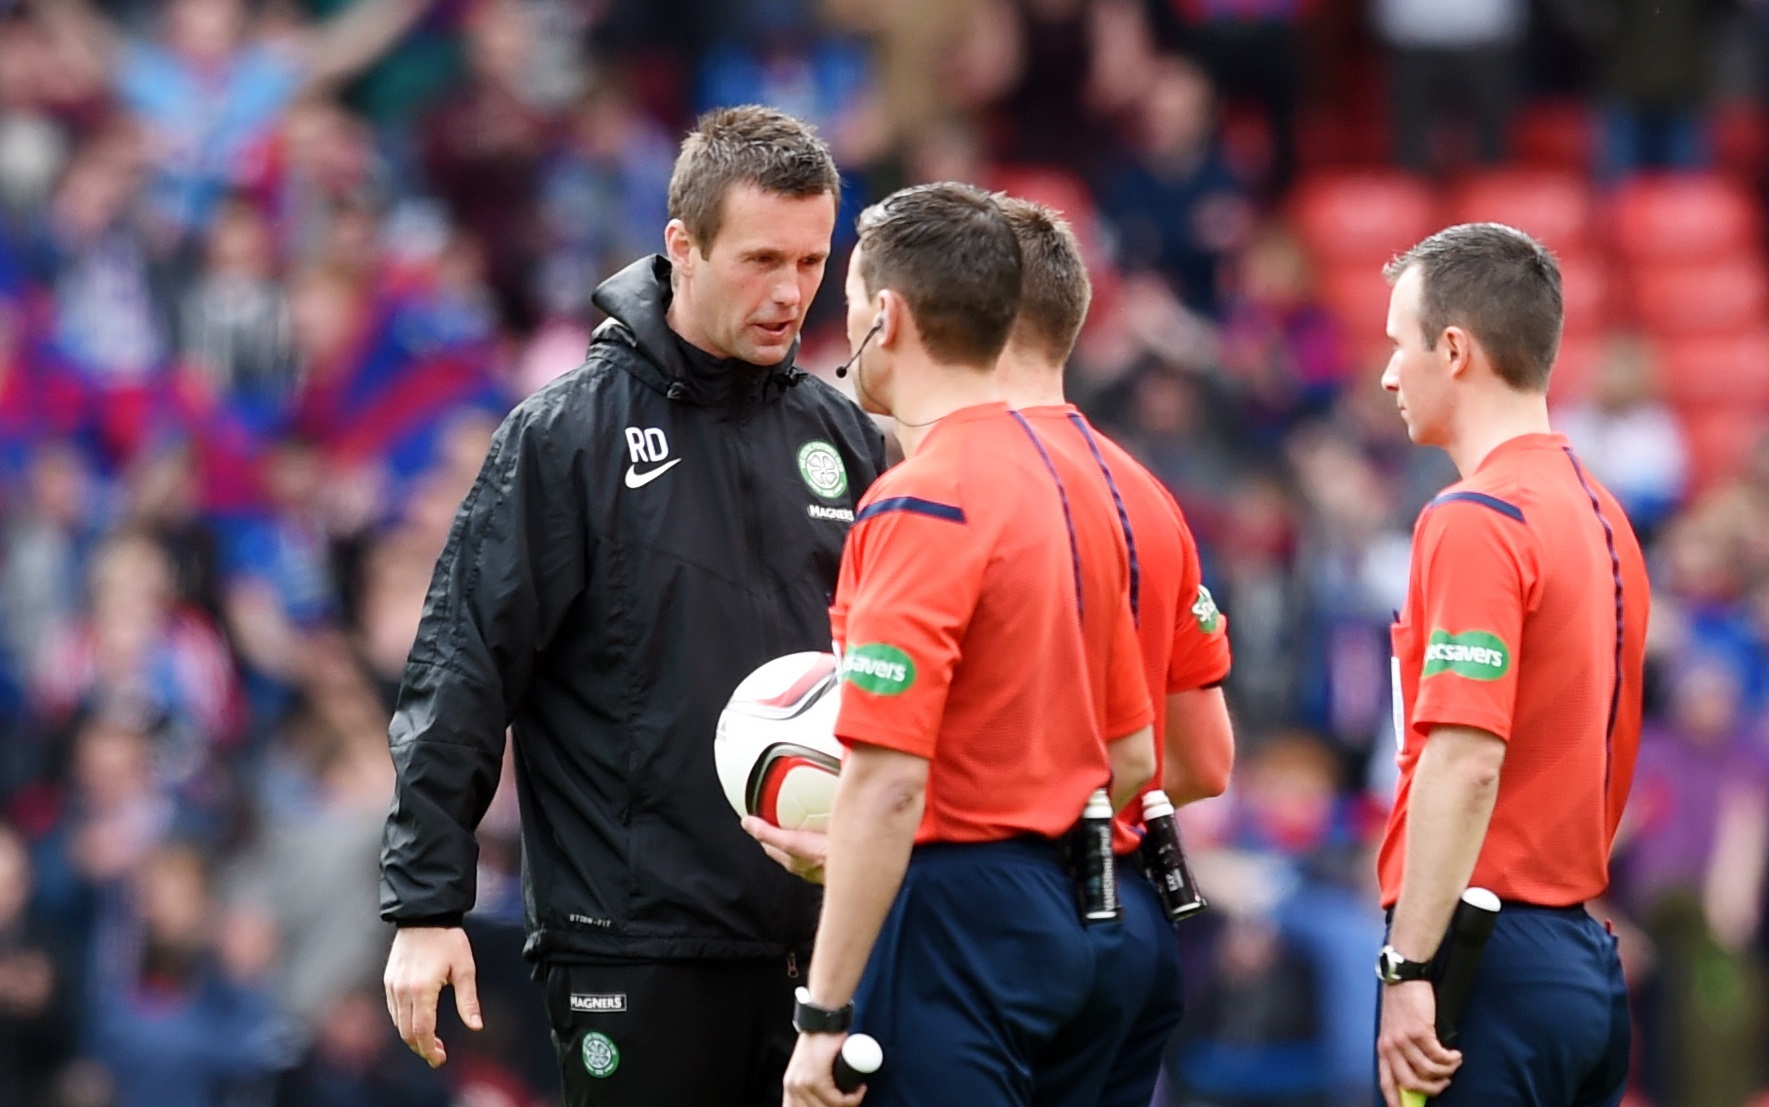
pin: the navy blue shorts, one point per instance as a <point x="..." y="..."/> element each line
<point x="1136" y="1005"/>
<point x="1547" y="1019"/>
<point x="981" y="971"/>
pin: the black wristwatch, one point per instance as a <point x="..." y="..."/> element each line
<point x="808" y="1018"/>
<point x="1392" y="968"/>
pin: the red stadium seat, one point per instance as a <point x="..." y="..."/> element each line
<point x="1552" y="205"/>
<point x="1723" y="371"/>
<point x="1586" y="285"/>
<point x="1358" y="296"/>
<point x="1684" y="217"/>
<point x="1362" y="216"/>
<point x="1575" y="369"/>
<point x="1720" y="441"/>
<point x="1555" y="134"/>
<point x="1712" y="297"/>
<point x="1740" y="131"/>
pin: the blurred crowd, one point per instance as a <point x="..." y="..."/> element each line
<point x="271" y="272"/>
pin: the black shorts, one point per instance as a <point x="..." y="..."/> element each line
<point x="661" y="1033"/>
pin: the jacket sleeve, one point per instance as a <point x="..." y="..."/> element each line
<point x="515" y="561"/>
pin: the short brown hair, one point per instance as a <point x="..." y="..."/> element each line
<point x="748" y="145"/>
<point x="1054" y="288"/>
<point x="1501" y="285"/>
<point x="950" y="252"/>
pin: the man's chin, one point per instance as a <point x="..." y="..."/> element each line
<point x="767" y="351"/>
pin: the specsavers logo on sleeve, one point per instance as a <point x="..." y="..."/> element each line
<point x="1474" y="654"/>
<point x="1205" y="611"/>
<point x="881" y="669"/>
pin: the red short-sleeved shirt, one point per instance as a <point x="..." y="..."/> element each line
<point x="966" y="584"/>
<point x="1181" y="634"/>
<point x="1526" y="616"/>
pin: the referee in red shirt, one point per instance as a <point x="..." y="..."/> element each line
<point x="1182" y="635"/>
<point x="1518" y="666"/>
<point x="991" y="680"/>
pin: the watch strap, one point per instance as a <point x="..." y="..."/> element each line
<point x="810" y="1018"/>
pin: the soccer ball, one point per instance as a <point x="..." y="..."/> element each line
<point x="775" y="747"/>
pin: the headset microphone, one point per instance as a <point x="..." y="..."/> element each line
<point x="842" y="369"/>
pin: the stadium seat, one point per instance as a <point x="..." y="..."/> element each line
<point x="1357" y="295"/>
<point x="1711" y="297"/>
<point x="1724" y="370"/>
<point x="1362" y="216"/>
<point x="1575" y="369"/>
<point x="1740" y="130"/>
<point x="1555" y="134"/>
<point x="1684" y="217"/>
<point x="1552" y="205"/>
<point x="1720" y="441"/>
<point x="1587" y="287"/>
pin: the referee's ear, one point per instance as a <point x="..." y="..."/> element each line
<point x="891" y="309"/>
<point x="1458" y="349"/>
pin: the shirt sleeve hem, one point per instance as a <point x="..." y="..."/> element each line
<point x="1424" y="720"/>
<point x="901" y="741"/>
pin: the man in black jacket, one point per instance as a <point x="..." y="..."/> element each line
<point x="645" y="531"/>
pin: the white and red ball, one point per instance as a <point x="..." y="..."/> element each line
<point x="775" y="747"/>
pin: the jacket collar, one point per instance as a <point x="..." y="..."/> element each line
<point x="636" y="300"/>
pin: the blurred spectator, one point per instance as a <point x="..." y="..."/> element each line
<point x="1254" y="51"/>
<point x="113" y="298"/>
<point x="234" y="318"/>
<point x="1698" y="607"/>
<point x="1456" y="54"/>
<point x="33" y="146"/>
<point x="485" y="149"/>
<point x="139" y="656"/>
<point x="1694" y="873"/>
<point x="1050" y="48"/>
<point x="37" y="1009"/>
<point x="310" y="879"/>
<point x="1255" y="557"/>
<point x="396" y="578"/>
<point x="279" y="587"/>
<point x="48" y="535"/>
<point x="163" y="499"/>
<point x="170" y="1026"/>
<point x="113" y="815"/>
<point x="1291" y="803"/>
<point x="922" y="49"/>
<point x="1280" y="347"/>
<point x="1177" y="208"/>
<point x="602" y="195"/>
<point x="1354" y="572"/>
<point x="1252" y="1037"/>
<point x="784" y="59"/>
<point x="357" y="1060"/>
<point x="209" y="94"/>
<point x="330" y="173"/>
<point x="1630" y="440"/>
<point x="1655" y="62"/>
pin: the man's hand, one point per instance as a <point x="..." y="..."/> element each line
<point x="423" y="960"/>
<point x="810" y="1075"/>
<point x="1408" y="1054"/>
<point x="800" y="852"/>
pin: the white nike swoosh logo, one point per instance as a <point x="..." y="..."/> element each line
<point x="636" y="479"/>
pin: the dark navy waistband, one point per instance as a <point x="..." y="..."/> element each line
<point x="1026" y="847"/>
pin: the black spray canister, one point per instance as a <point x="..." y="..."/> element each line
<point x="1164" y="861"/>
<point x="1096" y="872"/>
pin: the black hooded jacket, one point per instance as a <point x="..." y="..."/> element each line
<point x="646" y="530"/>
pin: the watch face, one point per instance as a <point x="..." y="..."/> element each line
<point x="1388" y="965"/>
